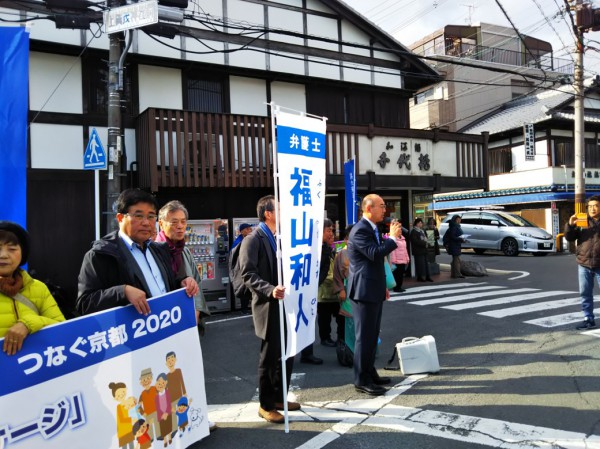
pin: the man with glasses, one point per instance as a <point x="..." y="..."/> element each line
<point x="587" y="235"/>
<point x="125" y="266"/>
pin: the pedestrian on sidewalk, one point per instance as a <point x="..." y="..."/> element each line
<point x="418" y="245"/>
<point x="453" y="239"/>
<point x="400" y="258"/>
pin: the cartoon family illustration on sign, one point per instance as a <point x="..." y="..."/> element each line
<point x="160" y="412"/>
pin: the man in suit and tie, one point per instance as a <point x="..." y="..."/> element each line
<point x="126" y="266"/>
<point x="258" y="267"/>
<point x="367" y="290"/>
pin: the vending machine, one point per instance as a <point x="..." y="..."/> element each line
<point x="208" y="240"/>
<point x="236" y="222"/>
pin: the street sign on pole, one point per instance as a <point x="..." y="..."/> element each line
<point x="94" y="157"/>
<point x="131" y="16"/>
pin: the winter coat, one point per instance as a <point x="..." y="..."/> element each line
<point x="109" y="266"/>
<point x="588" y="242"/>
<point x="400" y="255"/>
<point x="12" y="312"/>
<point x="453" y="239"/>
<point x="418" y="241"/>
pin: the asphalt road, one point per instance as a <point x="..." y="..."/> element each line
<point x="514" y="372"/>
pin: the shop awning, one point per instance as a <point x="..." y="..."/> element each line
<point x="500" y="200"/>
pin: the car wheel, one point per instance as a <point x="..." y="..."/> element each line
<point x="510" y="247"/>
<point x="539" y="254"/>
<point x="478" y="251"/>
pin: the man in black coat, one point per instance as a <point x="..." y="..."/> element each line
<point x="126" y="266"/>
<point x="367" y="290"/>
<point x="258" y="267"/>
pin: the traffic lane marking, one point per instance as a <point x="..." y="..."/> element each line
<point x="507" y="300"/>
<point x="499" y="292"/>
<point x="449" y="291"/>
<point x="536" y="307"/>
<point x="471" y="429"/>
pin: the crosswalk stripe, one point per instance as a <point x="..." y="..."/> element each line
<point x="493" y="302"/>
<point x="431" y="287"/>
<point x="557" y="320"/>
<point x="538" y="306"/>
<point x="445" y="299"/>
<point x="406" y="297"/>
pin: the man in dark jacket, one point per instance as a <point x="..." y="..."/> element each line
<point x="126" y="267"/>
<point x="258" y="267"/>
<point x="588" y="257"/>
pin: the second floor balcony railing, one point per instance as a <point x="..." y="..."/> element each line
<point x="504" y="56"/>
<point x="186" y="149"/>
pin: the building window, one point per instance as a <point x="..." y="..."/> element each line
<point x="205" y="93"/>
<point x="592" y="154"/>
<point x="500" y="161"/>
<point x="95" y="86"/>
<point x="564" y="153"/>
<point x="357" y="107"/>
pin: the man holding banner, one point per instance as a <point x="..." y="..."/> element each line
<point x="258" y="267"/>
<point x="126" y="266"/>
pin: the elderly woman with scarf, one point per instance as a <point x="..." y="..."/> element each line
<point x="172" y="219"/>
<point x="26" y="304"/>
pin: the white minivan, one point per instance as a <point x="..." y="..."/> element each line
<point x="509" y="233"/>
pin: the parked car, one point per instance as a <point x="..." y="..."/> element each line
<point x="509" y="233"/>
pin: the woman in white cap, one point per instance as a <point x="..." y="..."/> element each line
<point x="26" y="304"/>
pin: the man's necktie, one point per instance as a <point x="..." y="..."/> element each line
<point x="377" y="235"/>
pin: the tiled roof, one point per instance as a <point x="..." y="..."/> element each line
<point x="531" y="109"/>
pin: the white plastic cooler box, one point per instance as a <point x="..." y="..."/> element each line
<point x="418" y="355"/>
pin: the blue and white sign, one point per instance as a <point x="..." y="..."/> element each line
<point x="350" y="184"/>
<point x="94" y="157"/>
<point x="107" y="380"/>
<point x="301" y="169"/>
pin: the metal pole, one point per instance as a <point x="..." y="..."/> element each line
<point x="115" y="132"/>
<point x="579" y="137"/>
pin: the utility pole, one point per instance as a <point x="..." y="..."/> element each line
<point x="115" y="132"/>
<point x="579" y="132"/>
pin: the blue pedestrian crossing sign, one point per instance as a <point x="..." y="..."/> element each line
<point x="94" y="157"/>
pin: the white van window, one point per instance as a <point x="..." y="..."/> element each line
<point x="515" y="220"/>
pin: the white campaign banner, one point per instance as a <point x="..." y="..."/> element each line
<point x="108" y="380"/>
<point x="301" y="170"/>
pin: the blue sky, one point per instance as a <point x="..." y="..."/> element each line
<point x="409" y="20"/>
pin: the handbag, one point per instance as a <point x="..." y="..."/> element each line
<point x="390" y="282"/>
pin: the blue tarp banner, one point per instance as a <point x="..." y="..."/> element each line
<point x="14" y="79"/>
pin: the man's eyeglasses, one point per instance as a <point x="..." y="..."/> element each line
<point x="177" y="222"/>
<point x="141" y="217"/>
